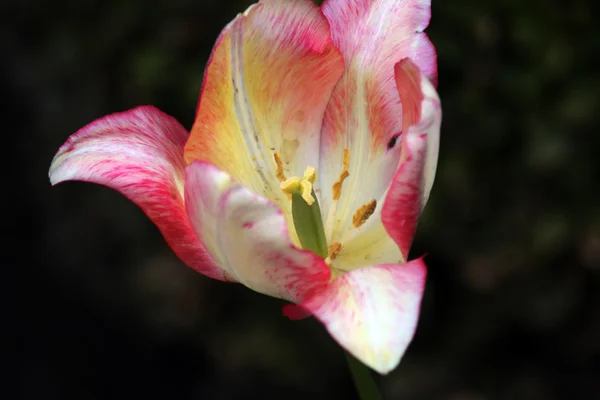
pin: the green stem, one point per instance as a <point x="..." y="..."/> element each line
<point x="363" y="379"/>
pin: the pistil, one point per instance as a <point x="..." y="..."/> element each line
<point x="306" y="212"/>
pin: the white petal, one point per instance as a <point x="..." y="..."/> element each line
<point x="248" y="237"/>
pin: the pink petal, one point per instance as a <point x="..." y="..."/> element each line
<point x="364" y="114"/>
<point x="265" y="90"/>
<point x="382" y="30"/>
<point x="248" y="236"/>
<point x="139" y="153"/>
<point x="372" y="312"/>
<point x="412" y="182"/>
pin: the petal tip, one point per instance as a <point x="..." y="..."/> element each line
<point x="373" y="312"/>
<point x="59" y="172"/>
<point x="139" y="153"/>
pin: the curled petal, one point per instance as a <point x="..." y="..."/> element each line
<point x="372" y="312"/>
<point x="139" y="153"/>
<point x="248" y="236"/>
<point x="412" y="182"/>
<point x="422" y="113"/>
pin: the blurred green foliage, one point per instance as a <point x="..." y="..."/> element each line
<point x="512" y="230"/>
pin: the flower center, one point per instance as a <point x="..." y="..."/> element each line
<point x="306" y="213"/>
<point x="302" y="186"/>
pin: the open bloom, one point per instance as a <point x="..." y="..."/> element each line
<point x="312" y="155"/>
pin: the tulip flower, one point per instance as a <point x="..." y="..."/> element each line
<point x="312" y="155"/>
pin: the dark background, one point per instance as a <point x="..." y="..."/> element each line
<point x="98" y="307"/>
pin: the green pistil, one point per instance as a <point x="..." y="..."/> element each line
<point x="309" y="224"/>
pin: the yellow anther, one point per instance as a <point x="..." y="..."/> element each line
<point x="363" y="213"/>
<point x="334" y="250"/>
<point x="302" y="186"/>
<point x="337" y="186"/>
<point x="279" y="172"/>
<point x="346" y="159"/>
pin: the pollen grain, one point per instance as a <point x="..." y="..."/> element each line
<point x="363" y="213"/>
<point x="279" y="171"/>
<point x="337" y="186"/>
<point x="334" y="250"/>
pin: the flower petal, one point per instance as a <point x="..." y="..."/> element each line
<point x="372" y="245"/>
<point x="265" y="90"/>
<point x="364" y="113"/>
<point x="248" y="237"/>
<point x="412" y="182"/>
<point x="382" y="30"/>
<point x="372" y="312"/>
<point x="139" y="153"/>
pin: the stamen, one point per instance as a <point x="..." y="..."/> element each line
<point x="363" y="213"/>
<point x="337" y="186"/>
<point x="279" y="172"/>
<point x="334" y="250"/>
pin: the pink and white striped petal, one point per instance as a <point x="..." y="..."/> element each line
<point x="364" y="114"/>
<point x="372" y="312"/>
<point x="139" y="153"/>
<point x="413" y="180"/>
<point x="384" y="30"/>
<point x="248" y="236"/>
